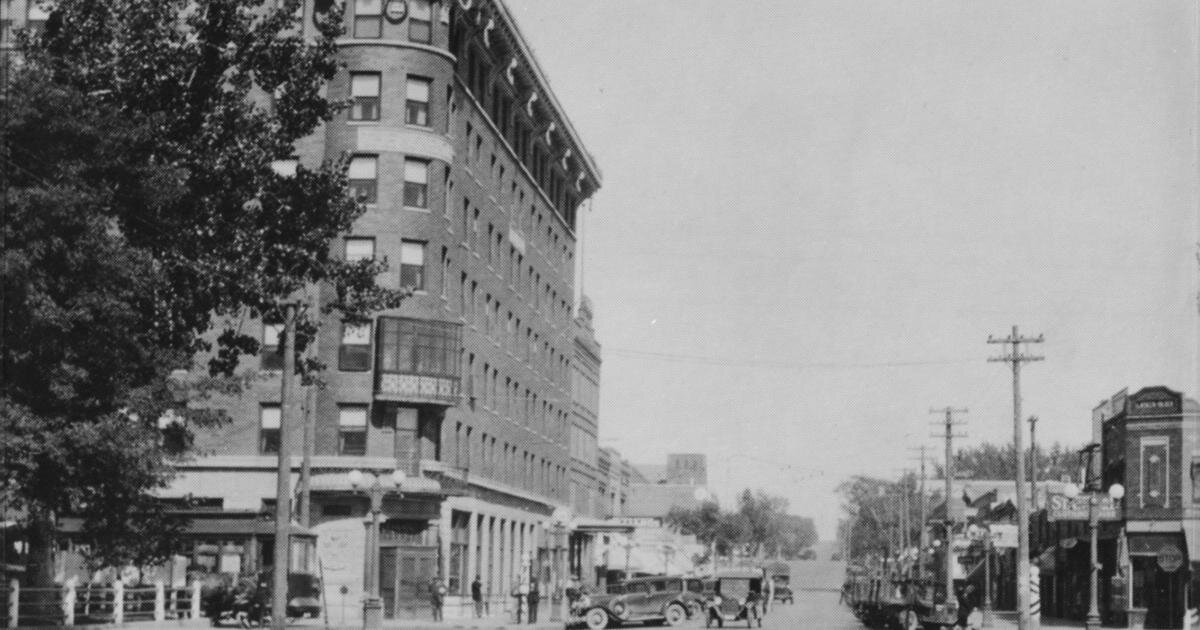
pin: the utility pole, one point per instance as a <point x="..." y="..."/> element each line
<point x="948" y="472"/>
<point x="283" y="486"/>
<point x="922" y="541"/>
<point x="1016" y="358"/>
<point x="1033" y="463"/>
<point x="310" y="420"/>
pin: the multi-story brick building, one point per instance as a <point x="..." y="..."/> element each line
<point x="1149" y="442"/>
<point x="585" y="414"/>
<point x="472" y="175"/>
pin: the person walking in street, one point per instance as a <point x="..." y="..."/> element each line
<point x="477" y="596"/>
<point x="535" y="597"/>
<point x="437" y="598"/>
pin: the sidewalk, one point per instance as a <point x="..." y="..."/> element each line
<point x="495" y="622"/>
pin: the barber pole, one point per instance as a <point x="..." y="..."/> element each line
<point x="1035" y="598"/>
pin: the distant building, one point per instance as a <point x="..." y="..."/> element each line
<point x="681" y="468"/>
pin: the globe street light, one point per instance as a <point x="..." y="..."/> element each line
<point x="560" y="522"/>
<point x="1116" y="492"/>
<point x="376" y="487"/>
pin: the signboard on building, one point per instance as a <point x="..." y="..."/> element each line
<point x="1169" y="557"/>
<point x="1062" y="508"/>
<point x="1004" y="535"/>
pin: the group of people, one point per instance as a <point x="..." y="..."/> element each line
<point x="527" y="595"/>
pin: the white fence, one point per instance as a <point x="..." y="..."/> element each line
<point x="70" y="605"/>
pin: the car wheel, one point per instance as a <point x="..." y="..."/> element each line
<point x="596" y="619"/>
<point x="676" y="614"/>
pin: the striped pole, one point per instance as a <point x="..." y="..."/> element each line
<point x="1035" y="598"/>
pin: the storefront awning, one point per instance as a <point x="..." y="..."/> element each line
<point x="601" y="526"/>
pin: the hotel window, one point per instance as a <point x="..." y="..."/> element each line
<point x="36" y="16"/>
<point x="360" y="249"/>
<point x="269" y="417"/>
<point x="446" y="277"/>
<point x="352" y="430"/>
<point x="416" y="183"/>
<point x="364" y="183"/>
<point x="420" y="21"/>
<point x="368" y="18"/>
<point x="270" y="356"/>
<point x="416" y="101"/>
<point x="354" y="354"/>
<point x="364" y="91"/>
<point x="412" y="265"/>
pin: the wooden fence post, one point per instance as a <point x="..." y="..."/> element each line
<point x="160" y="601"/>
<point x="118" y="602"/>
<point x="68" y="603"/>
<point x="14" y="600"/>
<point x="196" y="599"/>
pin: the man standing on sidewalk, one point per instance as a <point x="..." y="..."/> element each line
<point x="437" y="598"/>
<point x="534" y="597"/>
<point x="477" y="596"/>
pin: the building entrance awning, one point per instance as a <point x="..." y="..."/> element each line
<point x="601" y="526"/>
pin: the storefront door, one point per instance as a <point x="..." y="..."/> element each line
<point x="405" y="573"/>
<point x="1159" y="592"/>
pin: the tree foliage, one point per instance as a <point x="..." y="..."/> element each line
<point x="883" y="513"/>
<point x="760" y="525"/>
<point x="144" y="225"/>
<point x="991" y="461"/>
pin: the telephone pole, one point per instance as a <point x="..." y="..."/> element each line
<point x="1033" y="463"/>
<point x="948" y="472"/>
<point x="922" y="541"/>
<point x="1015" y="357"/>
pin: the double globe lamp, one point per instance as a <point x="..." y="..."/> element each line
<point x="1116" y="492"/>
<point x="375" y="486"/>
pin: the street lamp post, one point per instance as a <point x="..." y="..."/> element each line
<point x="561" y="522"/>
<point x="372" y="603"/>
<point x="1116" y="491"/>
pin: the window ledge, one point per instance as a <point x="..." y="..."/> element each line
<point x="354" y="122"/>
<point x="417" y="209"/>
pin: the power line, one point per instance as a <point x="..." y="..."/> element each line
<point x="774" y="364"/>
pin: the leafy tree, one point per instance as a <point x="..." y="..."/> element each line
<point x="874" y="507"/>
<point x="991" y="461"/>
<point x="144" y="225"/>
<point x="760" y="525"/>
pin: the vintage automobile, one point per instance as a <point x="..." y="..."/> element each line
<point x="669" y="600"/>
<point x="781" y="575"/>
<point x="736" y="596"/>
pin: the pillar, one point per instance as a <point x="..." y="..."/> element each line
<point x="444" y="533"/>
<point x="474" y="522"/>
<point x="494" y="588"/>
<point x="506" y="563"/>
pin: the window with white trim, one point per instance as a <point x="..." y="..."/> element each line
<point x="412" y="265"/>
<point x="270" y="356"/>
<point x="368" y="18"/>
<point x="416" y="101"/>
<point x="358" y="248"/>
<point x="354" y="353"/>
<point x="352" y="430"/>
<point x="269" y="419"/>
<point x="420" y="21"/>
<point x="364" y="93"/>
<point x="364" y="178"/>
<point x="416" y="183"/>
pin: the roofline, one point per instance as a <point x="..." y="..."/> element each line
<point x="544" y="83"/>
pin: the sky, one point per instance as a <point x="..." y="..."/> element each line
<point x="814" y="214"/>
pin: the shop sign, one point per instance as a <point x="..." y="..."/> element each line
<point x="1170" y="558"/>
<point x="1004" y="536"/>
<point x="1061" y="508"/>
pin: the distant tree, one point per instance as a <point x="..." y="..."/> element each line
<point x="874" y="507"/>
<point x="760" y="525"/>
<point x="145" y="224"/>
<point x="991" y="461"/>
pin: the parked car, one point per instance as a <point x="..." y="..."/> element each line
<point x="669" y="600"/>
<point x="737" y="596"/>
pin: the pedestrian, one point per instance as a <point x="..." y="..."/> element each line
<point x="534" y="598"/>
<point x="477" y="596"/>
<point x="437" y="597"/>
<point x="520" y="589"/>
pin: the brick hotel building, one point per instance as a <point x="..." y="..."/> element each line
<point x="473" y="177"/>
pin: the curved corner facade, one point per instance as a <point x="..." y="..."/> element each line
<point x="472" y="175"/>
